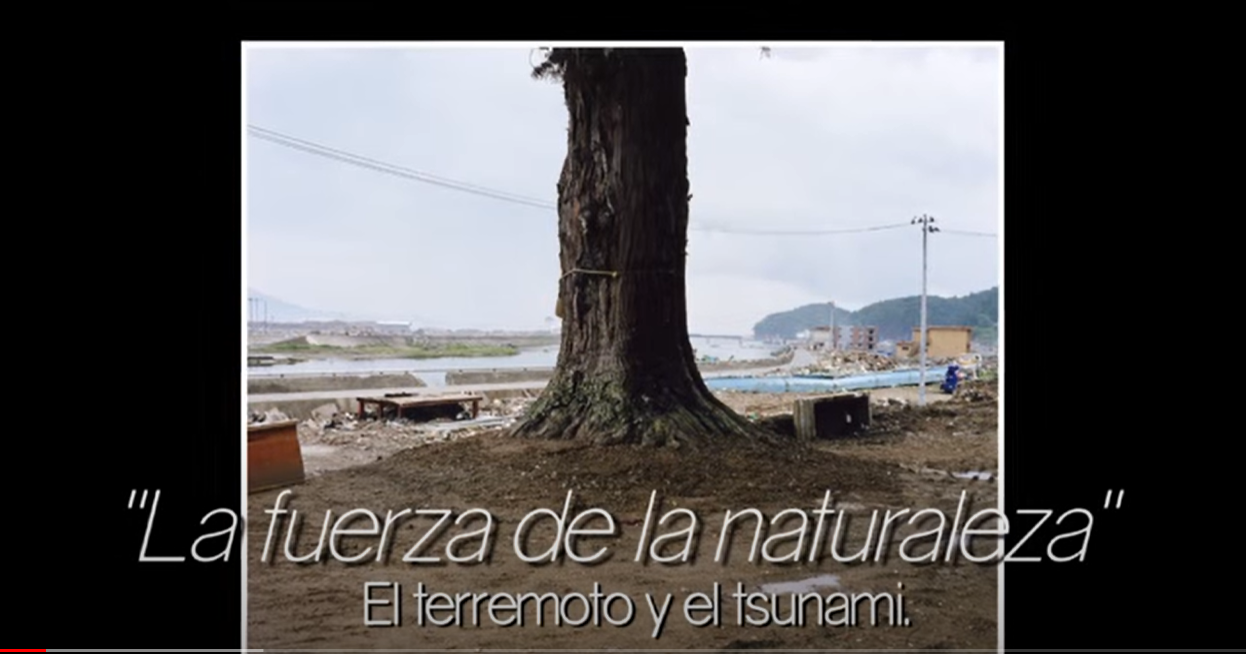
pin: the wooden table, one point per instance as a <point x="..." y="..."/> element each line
<point x="401" y="403"/>
<point x="274" y="456"/>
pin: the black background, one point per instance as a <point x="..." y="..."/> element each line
<point x="1085" y="170"/>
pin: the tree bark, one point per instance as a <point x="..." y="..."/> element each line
<point x="626" y="370"/>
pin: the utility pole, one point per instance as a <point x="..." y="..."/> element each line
<point x="927" y="226"/>
<point x="834" y="342"/>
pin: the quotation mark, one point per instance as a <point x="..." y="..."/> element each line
<point x="142" y="503"/>
<point x="1107" y="503"/>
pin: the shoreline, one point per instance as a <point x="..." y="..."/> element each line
<point x="717" y="366"/>
<point x="277" y="356"/>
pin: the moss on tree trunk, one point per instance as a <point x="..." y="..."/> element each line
<point x="626" y="370"/>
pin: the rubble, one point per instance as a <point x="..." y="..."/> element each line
<point x="329" y="427"/>
<point x="842" y="364"/>
<point x="849" y="363"/>
<point x="515" y="406"/>
<point x="325" y="412"/>
<point x="977" y="391"/>
<point x="272" y="415"/>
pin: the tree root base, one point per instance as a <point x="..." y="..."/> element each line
<point x="598" y="414"/>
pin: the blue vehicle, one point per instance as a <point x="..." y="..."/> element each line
<point x="952" y="379"/>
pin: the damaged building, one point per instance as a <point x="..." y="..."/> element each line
<point x="844" y="338"/>
<point x="944" y="341"/>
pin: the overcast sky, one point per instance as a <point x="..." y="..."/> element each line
<point x="825" y="139"/>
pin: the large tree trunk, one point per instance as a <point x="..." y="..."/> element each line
<point x="626" y="370"/>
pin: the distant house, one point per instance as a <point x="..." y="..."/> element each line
<point x="942" y="341"/>
<point x="846" y="338"/>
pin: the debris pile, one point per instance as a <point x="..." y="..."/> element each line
<point x="850" y="363"/>
<point x="513" y="407"/>
<point x="977" y="391"/>
<point x="270" y="416"/>
<point x="329" y="426"/>
<point x="367" y="435"/>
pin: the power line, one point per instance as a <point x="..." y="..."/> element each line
<point x="311" y="147"/>
<point x="275" y="136"/>
<point x="810" y="232"/>
<point x="399" y="171"/>
<point x="965" y="233"/>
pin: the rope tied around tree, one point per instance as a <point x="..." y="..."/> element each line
<point x="613" y="274"/>
<point x="616" y="273"/>
<point x="610" y="273"/>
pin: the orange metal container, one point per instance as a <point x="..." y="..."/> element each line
<point x="274" y="456"/>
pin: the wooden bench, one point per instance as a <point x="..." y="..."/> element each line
<point x="403" y="402"/>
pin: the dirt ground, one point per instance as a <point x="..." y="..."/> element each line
<point x="908" y="459"/>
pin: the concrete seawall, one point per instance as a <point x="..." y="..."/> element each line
<point x="271" y="385"/>
<point x="723" y="366"/>
<point x="302" y="409"/>
<point x="514" y="375"/>
<point x="497" y="376"/>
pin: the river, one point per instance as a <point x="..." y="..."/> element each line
<point x="542" y="357"/>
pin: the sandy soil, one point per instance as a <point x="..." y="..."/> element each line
<point x="902" y="463"/>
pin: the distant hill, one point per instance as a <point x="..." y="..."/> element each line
<point x="281" y="311"/>
<point x="894" y="318"/>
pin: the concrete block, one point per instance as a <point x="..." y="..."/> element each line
<point x="833" y="416"/>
